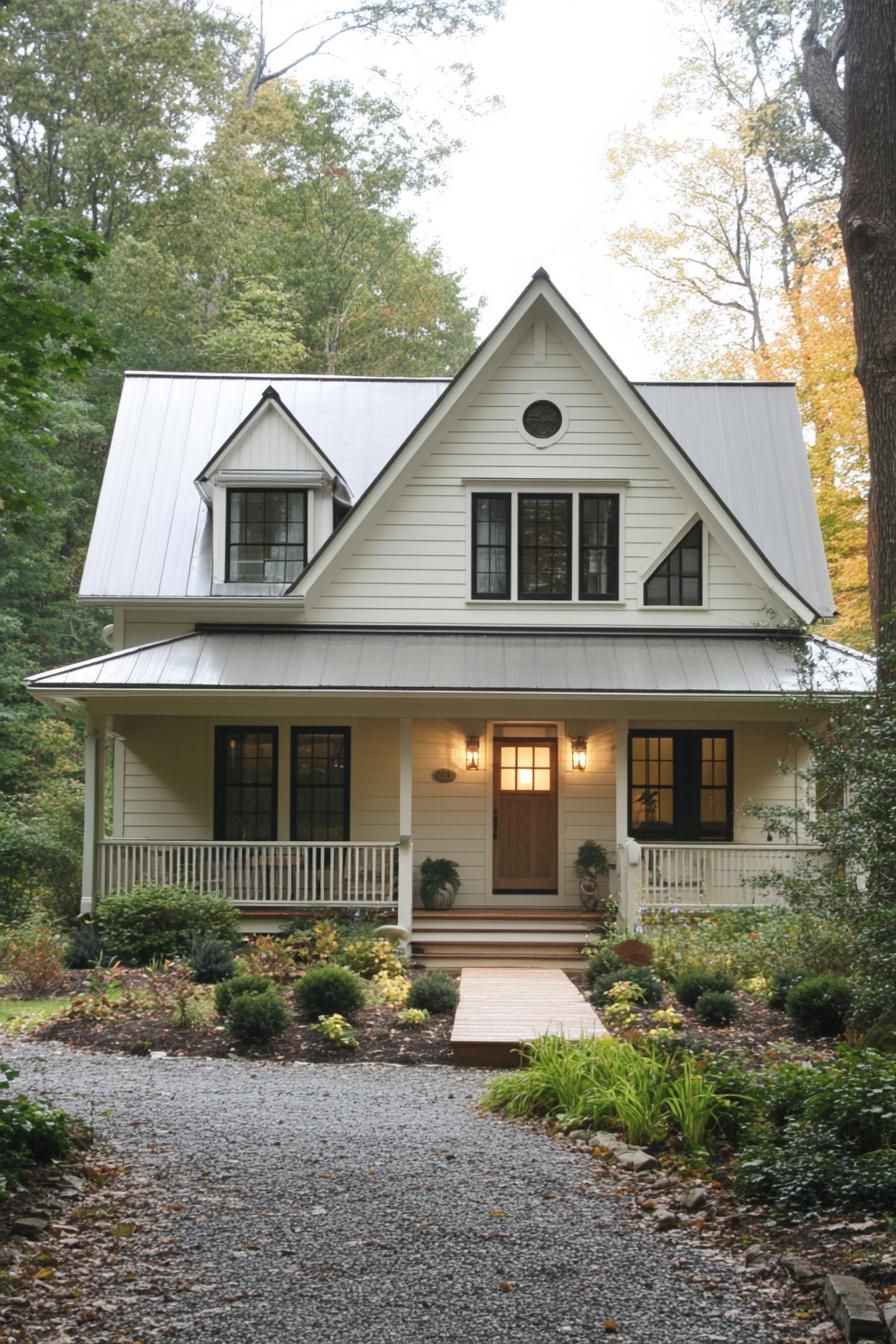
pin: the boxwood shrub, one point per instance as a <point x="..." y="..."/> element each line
<point x="693" y="984"/>
<point x="821" y="1004"/>
<point x="435" y="992"/>
<point x="153" y="923"/>
<point x="257" y="1018"/>
<point x="716" y="1008"/>
<point x="329" y="989"/>
<point x="239" y="984"/>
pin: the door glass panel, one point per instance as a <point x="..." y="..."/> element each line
<point x="525" y="769"/>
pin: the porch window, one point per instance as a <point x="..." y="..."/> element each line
<point x="245" y="783"/>
<point x="266" y="535"/>
<point x="599" y="547"/>
<point x="678" y="581"/>
<point x="320" y="783"/>
<point x="491" y="546"/>
<point x="545" y="546"/>
<point x="680" y="785"/>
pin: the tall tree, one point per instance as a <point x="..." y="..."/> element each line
<point x="858" y="112"/>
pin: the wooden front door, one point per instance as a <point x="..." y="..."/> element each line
<point x="525" y="816"/>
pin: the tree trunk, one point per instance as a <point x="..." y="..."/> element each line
<point x="868" y="224"/>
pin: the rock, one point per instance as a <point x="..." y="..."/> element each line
<point x="664" y="1220"/>
<point x="30" y="1228"/>
<point x="800" y="1269"/>
<point x="890" y="1321"/>
<point x="851" y="1306"/>
<point x="578" y="1135"/>
<point x="636" y="1160"/>
<point x="602" y="1139"/>
<point x="694" y="1200"/>
<point x="753" y="1255"/>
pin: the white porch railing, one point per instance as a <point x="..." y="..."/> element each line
<point x="705" y="876"/>
<point x="255" y="874"/>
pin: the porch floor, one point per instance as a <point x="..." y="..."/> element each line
<point x="501" y="1006"/>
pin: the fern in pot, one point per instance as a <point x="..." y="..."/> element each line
<point x="439" y="883"/>
<point x="592" y="865"/>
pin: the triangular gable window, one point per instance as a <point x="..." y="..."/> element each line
<point x="678" y="580"/>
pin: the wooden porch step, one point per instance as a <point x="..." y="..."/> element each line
<point x="501" y="1007"/>
<point x="569" y="914"/>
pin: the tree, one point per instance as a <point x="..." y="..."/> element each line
<point x="858" y="113"/>
<point x="42" y="338"/>
<point x="99" y="100"/>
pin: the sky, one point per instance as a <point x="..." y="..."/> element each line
<point x="531" y="188"/>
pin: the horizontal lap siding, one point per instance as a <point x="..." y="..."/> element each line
<point x="588" y="802"/>
<point x="166" y="791"/>
<point x="449" y="820"/>
<point x="412" y="560"/>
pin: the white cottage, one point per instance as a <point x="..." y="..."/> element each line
<point x="360" y="621"/>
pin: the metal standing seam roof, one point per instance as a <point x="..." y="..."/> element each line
<point x="152" y="532"/>
<point x="506" y="661"/>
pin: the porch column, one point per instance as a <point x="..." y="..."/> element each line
<point x="405" y="838"/>
<point x="626" y="894"/>
<point x="94" y="807"/>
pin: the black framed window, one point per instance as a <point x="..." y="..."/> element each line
<point x="266" y="535"/>
<point x="545" y="546"/>
<point x="491" y="546"/>
<point x="245" y="783"/>
<point x="599" y="547"/>
<point x="678" y="581"/>
<point x="681" y="785"/>
<point x="320" y="783"/>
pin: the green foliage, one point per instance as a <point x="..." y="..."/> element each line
<point x="211" y="959"/>
<point x="239" y="984"/>
<point x="152" y="923"/>
<point x="641" y="976"/>
<point x="751" y="942"/>
<point x="413" y="1017"/>
<point x="716" y="1008"/>
<point x="368" y="957"/>
<point x="329" y="989"/>
<point x="827" y="1137"/>
<point x="85" y="947"/>
<point x="591" y="860"/>
<point x="694" y="984"/>
<point x="435" y="992"/>
<point x="781" y="985"/>
<point x="821" y="1004"/>
<point x="436" y="877"/>
<point x="32" y="957"/>
<point x="605" y="1082"/>
<point x="602" y="959"/>
<point x="30" y="1132"/>
<point x="338" y="1031"/>
<point x="257" y="1018"/>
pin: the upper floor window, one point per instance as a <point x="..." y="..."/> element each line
<point x="560" y="549"/>
<point x="678" y="580"/>
<point x="266" y="535"/>
<point x="545" y="536"/>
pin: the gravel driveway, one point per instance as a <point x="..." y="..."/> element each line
<point x="373" y="1203"/>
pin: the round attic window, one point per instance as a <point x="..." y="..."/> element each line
<point x="542" y="419"/>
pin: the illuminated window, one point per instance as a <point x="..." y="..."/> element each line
<point x="525" y="769"/>
<point x="680" y="785"/>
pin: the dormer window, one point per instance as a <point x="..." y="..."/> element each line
<point x="266" y="535"/>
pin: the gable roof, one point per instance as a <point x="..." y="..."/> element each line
<point x="541" y="298"/>
<point x="152" y="534"/>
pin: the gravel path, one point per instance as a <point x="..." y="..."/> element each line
<point x="368" y="1203"/>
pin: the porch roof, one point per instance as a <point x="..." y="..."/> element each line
<point x="749" y="663"/>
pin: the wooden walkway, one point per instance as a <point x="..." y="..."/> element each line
<point x="500" y="1007"/>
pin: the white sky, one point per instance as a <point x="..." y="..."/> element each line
<point x="531" y="188"/>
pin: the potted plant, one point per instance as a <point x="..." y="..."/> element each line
<point x="439" y="883"/>
<point x="591" y="866"/>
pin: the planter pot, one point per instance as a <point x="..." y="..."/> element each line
<point x="594" y="892"/>
<point x="441" y="899"/>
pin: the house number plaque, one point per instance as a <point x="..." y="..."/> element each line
<point x="444" y="776"/>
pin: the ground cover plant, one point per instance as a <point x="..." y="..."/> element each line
<point x="30" y="1132"/>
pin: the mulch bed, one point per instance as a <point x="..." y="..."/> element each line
<point x="381" y="1041"/>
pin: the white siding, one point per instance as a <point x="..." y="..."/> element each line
<point x="167" y="788"/>
<point x="411" y="561"/>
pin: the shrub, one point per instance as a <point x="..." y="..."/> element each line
<point x="271" y="957"/>
<point x="716" y="1008"/>
<point x="337" y="1031"/>
<point x="239" y="984"/>
<point x="750" y="942"/>
<point x="32" y="955"/>
<point x="314" y="941"/>
<point x="646" y="981"/>
<point x="694" y="984"/>
<point x="256" y="1018"/>
<point x="413" y="1017"/>
<point x="154" y="923"/>
<point x="782" y="983"/>
<point x="329" y="989"/>
<point x="820" y="1005"/>
<point x="437" y="993"/>
<point x="371" y="957"/>
<point x="85" y="947"/>
<point x="30" y="1132"/>
<point x="602" y="960"/>
<point x="210" y="959"/>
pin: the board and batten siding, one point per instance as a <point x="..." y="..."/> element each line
<point x="411" y="560"/>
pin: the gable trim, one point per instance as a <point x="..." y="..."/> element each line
<point x="691" y="478"/>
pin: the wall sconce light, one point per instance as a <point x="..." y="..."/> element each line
<point x="472" y="753"/>
<point x="579" y="752"/>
